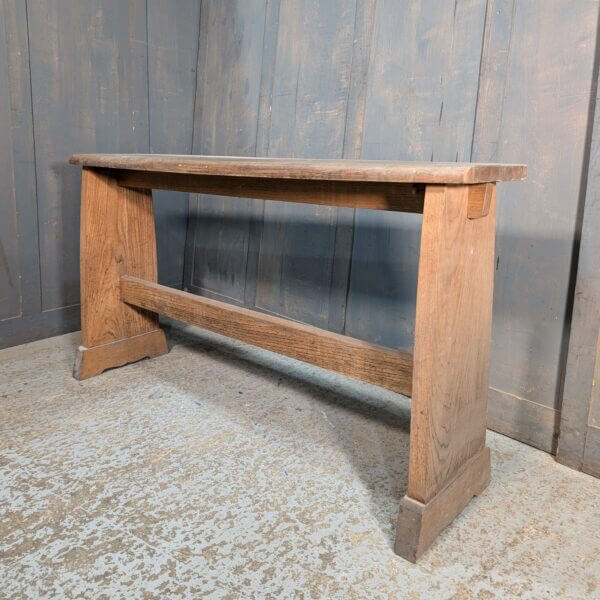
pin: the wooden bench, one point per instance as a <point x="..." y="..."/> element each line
<point x="447" y="374"/>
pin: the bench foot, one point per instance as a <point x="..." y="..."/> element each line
<point x="419" y="524"/>
<point x="95" y="360"/>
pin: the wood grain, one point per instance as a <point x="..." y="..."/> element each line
<point x="480" y="197"/>
<point x="406" y="197"/>
<point x="307" y="119"/>
<point x="419" y="524"/>
<point x="10" y="285"/>
<point x="117" y="237"/>
<point x="89" y="86"/>
<point x="538" y="220"/>
<point x="19" y="142"/>
<point x="93" y="361"/>
<point x="580" y="408"/>
<point x="452" y="340"/>
<point x="172" y="68"/>
<point x="520" y="418"/>
<point x="591" y="456"/>
<point x="361" y="360"/>
<point x="232" y="38"/>
<point x="420" y="105"/>
<point x="295" y="168"/>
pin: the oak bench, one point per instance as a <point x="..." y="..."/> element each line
<point x="447" y="373"/>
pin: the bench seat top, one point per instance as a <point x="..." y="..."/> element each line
<point x="308" y="169"/>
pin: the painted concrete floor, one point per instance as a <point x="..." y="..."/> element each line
<point x="222" y="471"/>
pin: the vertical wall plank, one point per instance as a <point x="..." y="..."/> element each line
<point x="580" y="408"/>
<point x="17" y="51"/>
<point x="90" y="94"/>
<point x="226" y="113"/>
<point x="263" y="129"/>
<point x="353" y="137"/>
<point x="310" y="95"/>
<point x="533" y="107"/>
<point x="421" y="96"/>
<point x="10" y="286"/>
<point x="173" y="30"/>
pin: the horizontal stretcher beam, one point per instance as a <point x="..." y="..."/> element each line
<point x="358" y="359"/>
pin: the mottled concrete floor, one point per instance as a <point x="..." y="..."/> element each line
<point x="221" y="471"/>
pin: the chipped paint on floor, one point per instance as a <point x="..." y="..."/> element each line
<point x="223" y="471"/>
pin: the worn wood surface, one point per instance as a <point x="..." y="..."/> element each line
<point x="535" y="91"/>
<point x="93" y="361"/>
<point x="480" y="198"/>
<point x="19" y="142"/>
<point x="381" y="366"/>
<point x="312" y="169"/>
<point x="78" y="77"/>
<point x="309" y="113"/>
<point x="172" y="63"/>
<point x="420" y="104"/>
<point x="419" y="524"/>
<point x="518" y="417"/>
<point x="406" y="197"/>
<point x="225" y="123"/>
<point x="10" y="288"/>
<point x="448" y="460"/>
<point x="90" y="91"/>
<point x="117" y="237"/>
<point x="451" y="351"/>
<point x="579" y="442"/>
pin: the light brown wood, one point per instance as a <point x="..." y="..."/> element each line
<point x="480" y="198"/>
<point x="452" y="340"/>
<point x="93" y="361"/>
<point x="358" y="359"/>
<point x="448" y="377"/>
<point x="117" y="237"/>
<point x="405" y="197"/>
<point x="294" y="168"/>
<point x="419" y="524"/>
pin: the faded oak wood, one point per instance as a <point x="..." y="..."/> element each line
<point x="447" y="374"/>
<point x="452" y="339"/>
<point x="117" y="237"/>
<point x="419" y="524"/>
<point x="294" y="168"/>
<point x="451" y="362"/>
<point x="406" y="197"/>
<point x="358" y="359"/>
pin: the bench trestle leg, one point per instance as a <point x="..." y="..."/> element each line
<point x="117" y="238"/>
<point x="449" y="462"/>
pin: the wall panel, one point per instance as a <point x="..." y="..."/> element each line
<point x="227" y="108"/>
<point x="579" y="442"/>
<point x="77" y="74"/>
<point x="10" y="288"/>
<point x="90" y="94"/>
<point x="534" y="102"/>
<point x="312" y="74"/>
<point x="172" y="62"/>
<point x="420" y="105"/>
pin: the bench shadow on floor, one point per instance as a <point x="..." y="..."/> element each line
<point x="368" y="424"/>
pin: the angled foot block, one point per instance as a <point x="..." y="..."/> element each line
<point x="95" y="360"/>
<point x="419" y="524"/>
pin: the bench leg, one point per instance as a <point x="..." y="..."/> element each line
<point x="117" y="238"/>
<point x="449" y="462"/>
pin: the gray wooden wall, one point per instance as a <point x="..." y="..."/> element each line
<point x="495" y="80"/>
<point x="83" y="76"/>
